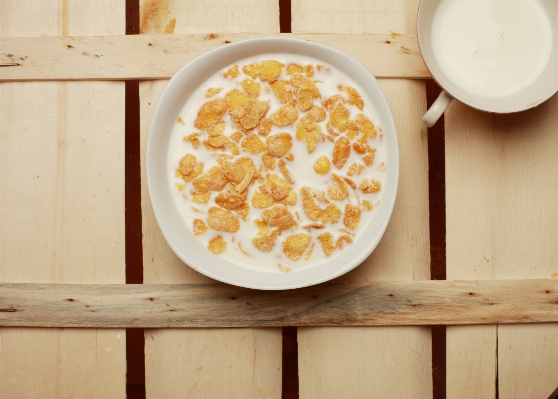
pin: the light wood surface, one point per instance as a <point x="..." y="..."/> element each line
<point x="62" y="205"/>
<point x="502" y="195"/>
<point x="329" y="304"/>
<point x="388" y="361"/>
<point x="161" y="56"/>
<point x="205" y="364"/>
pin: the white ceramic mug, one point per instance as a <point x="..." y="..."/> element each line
<point x="494" y="55"/>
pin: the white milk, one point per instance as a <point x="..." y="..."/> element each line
<point x="301" y="169"/>
<point x="492" y="48"/>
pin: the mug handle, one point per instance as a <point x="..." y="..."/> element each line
<point x="437" y="109"/>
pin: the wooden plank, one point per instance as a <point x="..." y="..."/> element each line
<point x="245" y="363"/>
<point x="388" y="361"/>
<point x="62" y="205"/>
<point x="161" y="56"/>
<point x="393" y="362"/>
<point x="329" y="304"/>
<point x="501" y="211"/>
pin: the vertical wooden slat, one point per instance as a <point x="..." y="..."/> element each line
<point x="62" y="205"/>
<point x="502" y="223"/>
<point x="388" y="361"/>
<point x="207" y="363"/>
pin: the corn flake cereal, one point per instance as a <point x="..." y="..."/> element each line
<point x="295" y="245"/>
<point x="330" y="214"/>
<point x="326" y="239"/>
<point x="268" y="160"/>
<point x="230" y="201"/>
<point x="265" y="126"/>
<point x="212" y="91"/>
<point x="222" y="220"/>
<point x="260" y="200"/>
<point x="352" y="216"/>
<point x="340" y="239"/>
<point x="365" y="126"/>
<point x="201" y="198"/>
<point x="284" y="116"/>
<point x="275" y="187"/>
<point x="270" y="70"/>
<point x="339" y="190"/>
<point x="264" y="243"/>
<point x="199" y="227"/>
<point x="308" y="131"/>
<point x="370" y="188"/>
<point x="322" y="165"/>
<point x="232" y="130"/>
<point x="213" y="180"/>
<point x="278" y="144"/>
<point x="251" y="70"/>
<point x="284" y="268"/>
<point x="285" y="171"/>
<point x="351" y="183"/>
<point x="368" y="159"/>
<point x="278" y="216"/>
<point x="308" y="70"/>
<point x="304" y="99"/>
<point x="253" y="144"/>
<point x="301" y="82"/>
<point x="339" y="117"/>
<point x="210" y="113"/>
<point x="294" y="68"/>
<point x="217" y="245"/>
<point x="341" y="152"/>
<point x="310" y="251"/>
<point x="251" y="87"/>
<point x="282" y="91"/>
<point x="311" y="209"/>
<point x="355" y="98"/>
<point x="216" y="141"/>
<point x="193" y="138"/>
<point x="231" y="72"/>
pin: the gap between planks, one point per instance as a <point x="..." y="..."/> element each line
<point x="161" y="56"/>
<point x="217" y="305"/>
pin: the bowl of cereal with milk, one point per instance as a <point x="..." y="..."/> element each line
<point x="273" y="163"/>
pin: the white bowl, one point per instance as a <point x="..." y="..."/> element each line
<point x="179" y="236"/>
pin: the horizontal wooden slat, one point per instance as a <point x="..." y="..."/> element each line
<point x="161" y="56"/>
<point x="218" y="305"/>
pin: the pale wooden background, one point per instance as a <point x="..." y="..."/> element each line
<point x="204" y="363"/>
<point x="502" y="223"/>
<point x="62" y="205"/>
<point x="62" y="220"/>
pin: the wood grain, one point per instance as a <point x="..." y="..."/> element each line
<point x="331" y="304"/>
<point x="206" y="363"/>
<point x="161" y="56"/>
<point x="389" y="361"/>
<point x="61" y="204"/>
<point x="502" y="198"/>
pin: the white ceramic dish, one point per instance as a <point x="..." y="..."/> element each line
<point x="179" y="236"/>
<point x="493" y="55"/>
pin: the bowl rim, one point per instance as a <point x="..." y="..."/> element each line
<point x="388" y="125"/>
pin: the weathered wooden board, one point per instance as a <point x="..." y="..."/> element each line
<point x="62" y="205"/>
<point x="330" y="304"/>
<point x="161" y="56"/>
<point x="502" y="197"/>
<point x="205" y="364"/>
